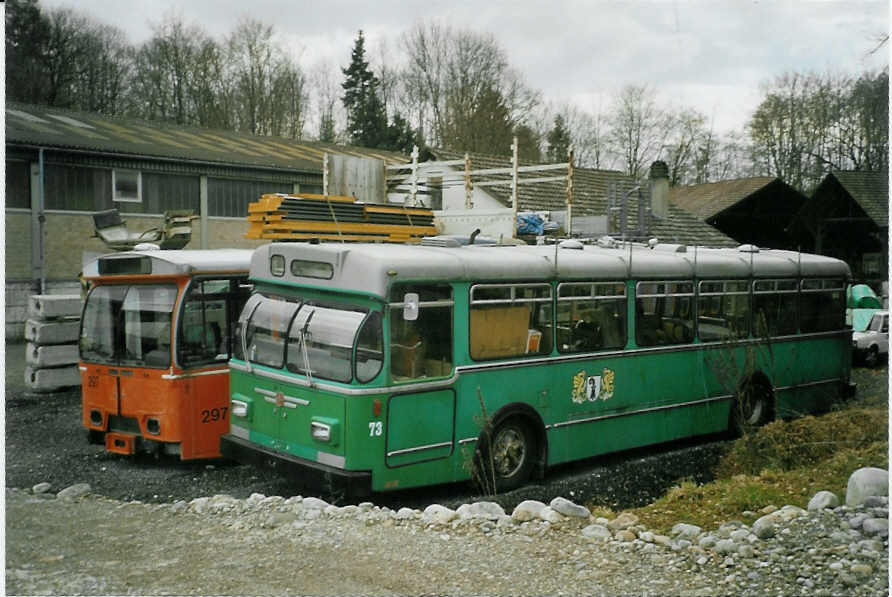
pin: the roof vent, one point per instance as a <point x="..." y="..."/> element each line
<point x="748" y="249"/>
<point x="440" y="241"/>
<point x="571" y="244"/>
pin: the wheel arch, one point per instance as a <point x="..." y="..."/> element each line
<point x="529" y="414"/>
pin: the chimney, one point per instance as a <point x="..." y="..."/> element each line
<point x="659" y="189"/>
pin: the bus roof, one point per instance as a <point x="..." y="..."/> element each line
<point x="372" y="268"/>
<point x="169" y="262"/>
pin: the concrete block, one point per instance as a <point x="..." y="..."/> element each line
<point x="52" y="379"/>
<point x="53" y="306"/>
<point x="60" y="331"/>
<point x="56" y="355"/>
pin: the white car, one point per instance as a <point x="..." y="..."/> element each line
<point x="874" y="341"/>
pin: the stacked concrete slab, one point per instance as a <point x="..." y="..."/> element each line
<point x="51" y="351"/>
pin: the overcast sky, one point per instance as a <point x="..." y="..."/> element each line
<point x="710" y="55"/>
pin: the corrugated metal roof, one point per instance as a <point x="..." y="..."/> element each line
<point x="41" y="126"/>
<point x="870" y="190"/>
<point x="590" y="198"/>
<point x="709" y="199"/>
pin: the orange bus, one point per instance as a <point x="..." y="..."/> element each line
<point x="156" y="334"/>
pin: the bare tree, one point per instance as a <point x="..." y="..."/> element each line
<point x="259" y="68"/>
<point x="636" y="128"/>
<point x="809" y="124"/>
<point x="453" y="78"/>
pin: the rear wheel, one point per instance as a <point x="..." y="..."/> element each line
<point x="95" y="437"/>
<point x="754" y="405"/>
<point x="506" y="457"/>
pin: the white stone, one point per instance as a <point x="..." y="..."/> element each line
<point x="766" y="526"/>
<point x="568" y="508"/>
<point x="623" y="521"/>
<point x="866" y="482"/>
<point x="404" y="514"/>
<point x="527" y="510"/>
<point x="41" y="488"/>
<point x="725" y="546"/>
<point x="200" y="505"/>
<point x="314" y="503"/>
<point x="74" y="491"/>
<point x="597" y="532"/>
<point x="484" y="510"/>
<point x="685" y="531"/>
<point x="548" y="514"/>
<point x="822" y="500"/>
<point x="437" y="514"/>
<point x="876" y="526"/>
<point x="255" y="498"/>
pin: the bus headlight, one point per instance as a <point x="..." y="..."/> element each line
<point x="325" y="430"/>
<point x="320" y="431"/>
<point x="239" y="408"/>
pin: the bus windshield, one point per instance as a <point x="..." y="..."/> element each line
<point x="315" y="338"/>
<point x="128" y="325"/>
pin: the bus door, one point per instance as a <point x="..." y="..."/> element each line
<point x="420" y="426"/>
<point x="420" y="421"/>
<point x="204" y="342"/>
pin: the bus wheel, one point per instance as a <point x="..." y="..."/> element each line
<point x="506" y="462"/>
<point x="872" y="357"/>
<point x="95" y="437"/>
<point x="754" y="405"/>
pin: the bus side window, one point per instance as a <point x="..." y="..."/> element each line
<point x="421" y="348"/>
<point x="591" y="316"/>
<point x="207" y="322"/>
<point x="664" y="313"/>
<point x="509" y="320"/>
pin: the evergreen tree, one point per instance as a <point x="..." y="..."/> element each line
<point x="558" y="141"/>
<point x="366" y="118"/>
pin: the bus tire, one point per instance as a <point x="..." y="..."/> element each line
<point x="506" y="456"/>
<point x="95" y="437"/>
<point x="753" y="405"/>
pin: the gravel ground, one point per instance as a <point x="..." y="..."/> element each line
<point x="169" y="542"/>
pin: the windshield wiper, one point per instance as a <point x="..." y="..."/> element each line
<point x="303" y="347"/>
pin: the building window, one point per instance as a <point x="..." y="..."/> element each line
<point x="18" y="184"/>
<point x="127" y="186"/>
<point x="77" y="188"/>
<point x="230" y="198"/>
<point x="163" y="192"/>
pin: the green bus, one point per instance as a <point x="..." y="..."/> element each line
<point x="373" y="367"/>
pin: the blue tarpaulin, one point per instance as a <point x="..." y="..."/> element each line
<point x="530" y="223"/>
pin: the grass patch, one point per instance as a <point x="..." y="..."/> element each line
<point x="784" y="462"/>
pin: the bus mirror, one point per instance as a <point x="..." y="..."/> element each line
<point x="410" y="306"/>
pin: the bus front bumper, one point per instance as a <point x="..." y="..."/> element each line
<point x="307" y="473"/>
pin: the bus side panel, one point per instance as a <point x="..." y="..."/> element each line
<point x="823" y="365"/>
<point x="99" y="391"/>
<point x="206" y="414"/>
